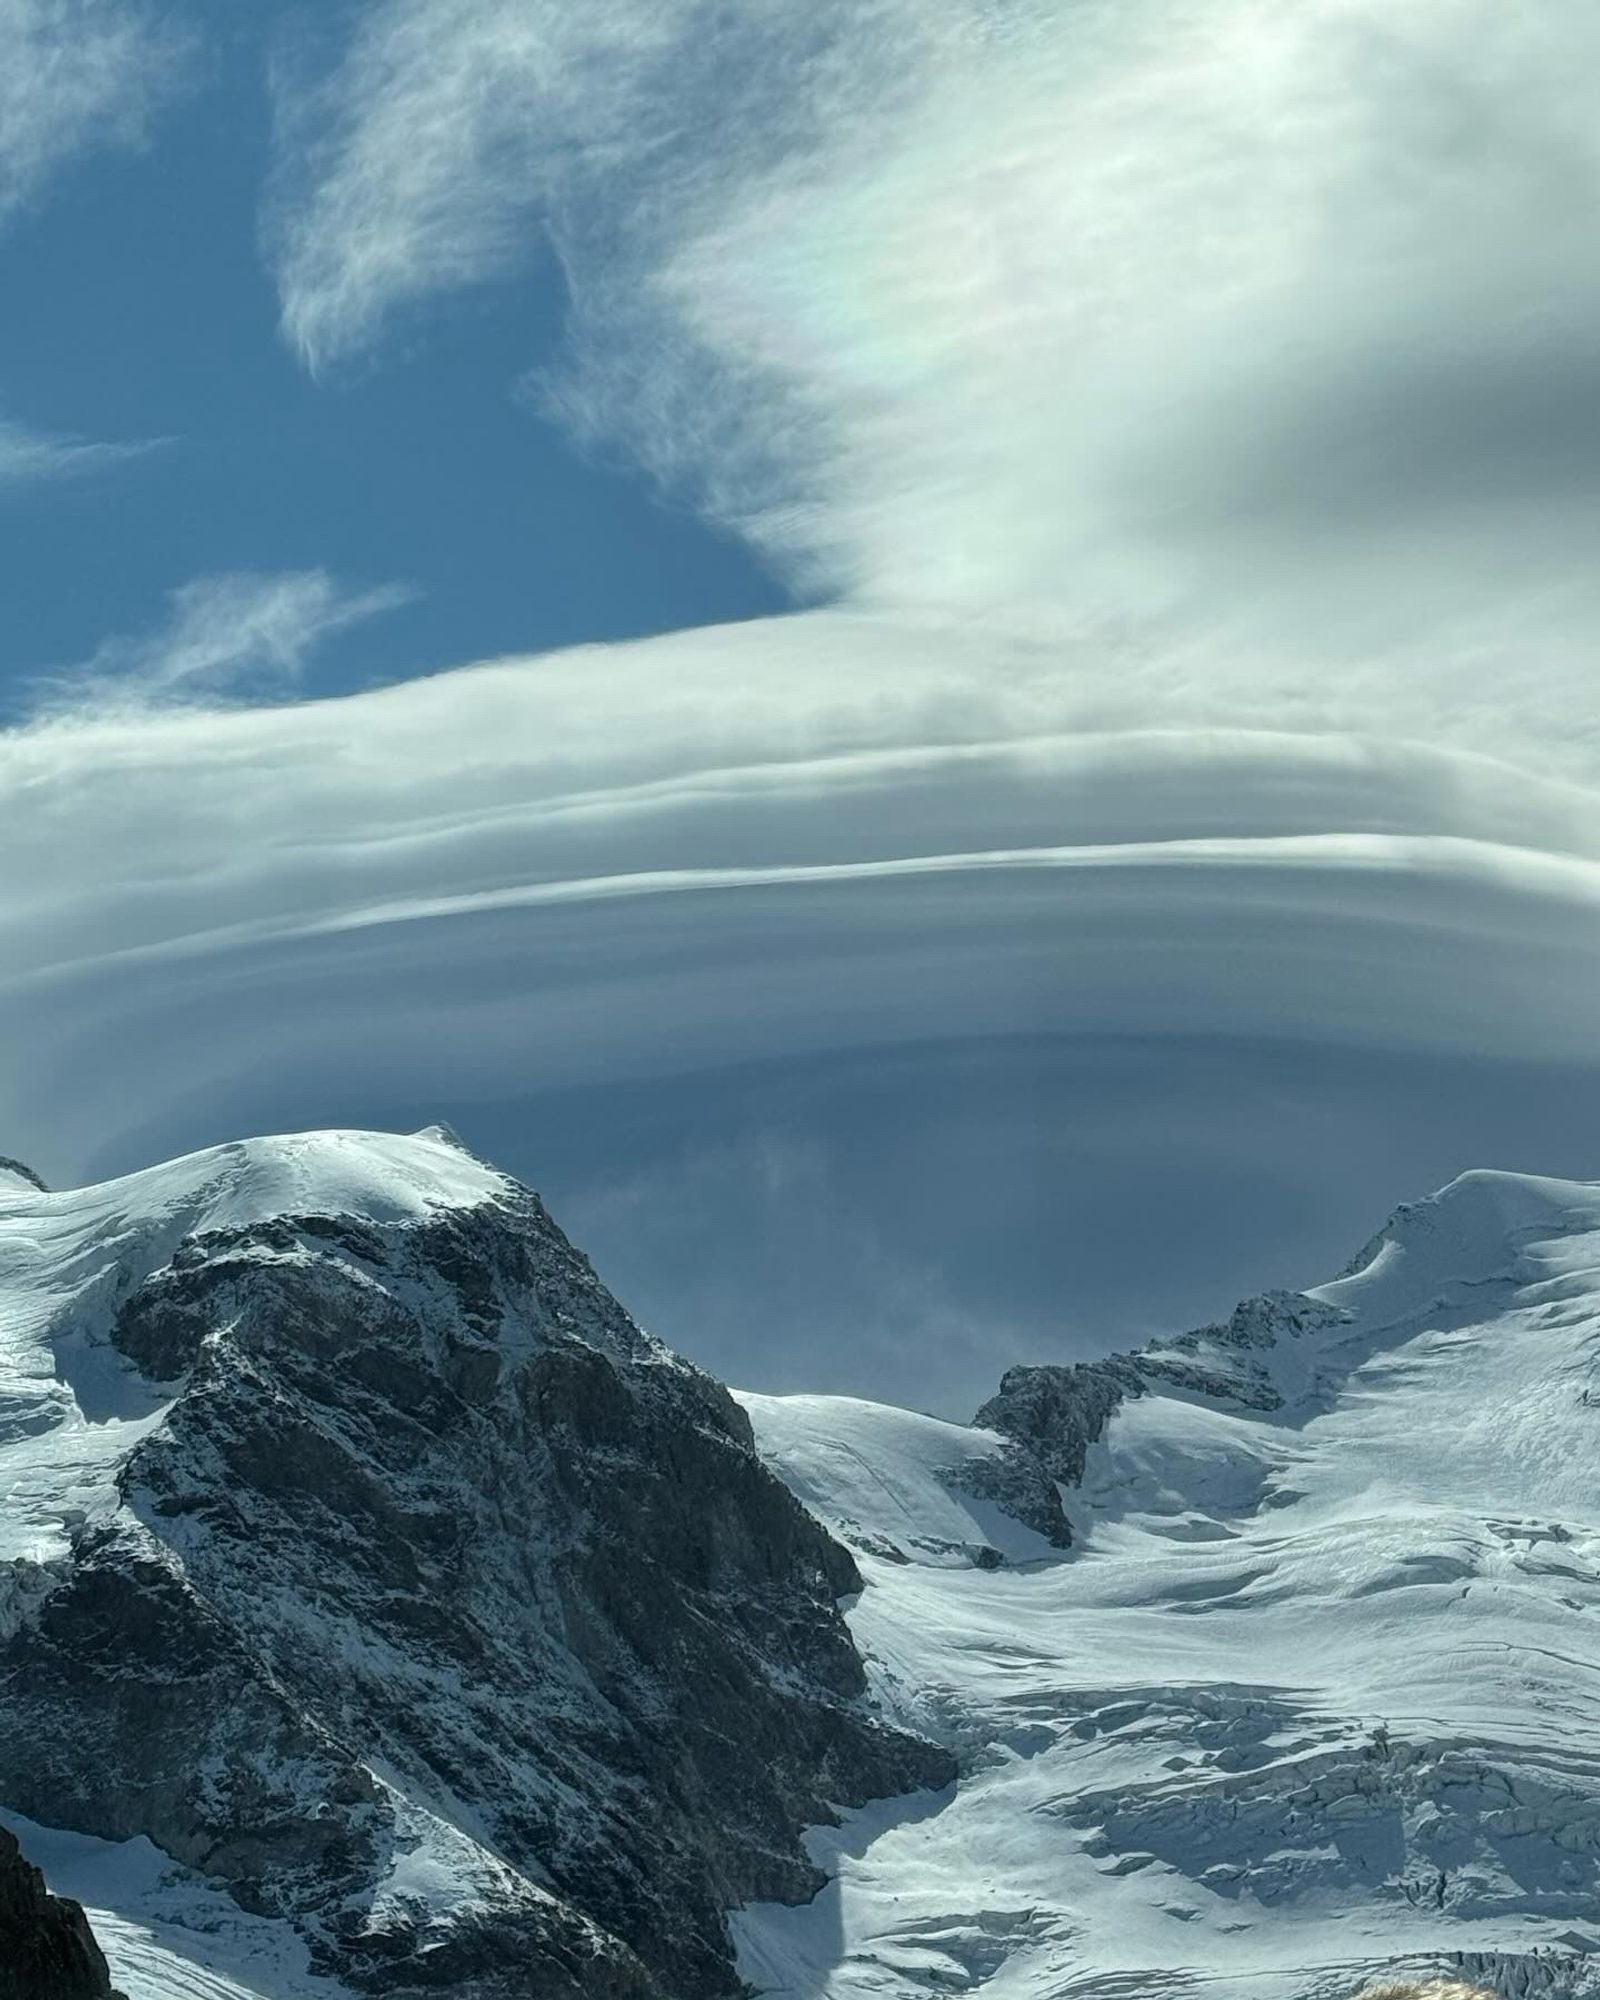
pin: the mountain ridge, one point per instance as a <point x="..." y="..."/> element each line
<point x="402" y="1582"/>
<point x="1309" y="1698"/>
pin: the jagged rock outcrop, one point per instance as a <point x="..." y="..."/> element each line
<point x="47" y="1950"/>
<point x="1057" y="1412"/>
<point x="445" y="1613"/>
<point x="1016" y="1480"/>
<point x="1054" y="1412"/>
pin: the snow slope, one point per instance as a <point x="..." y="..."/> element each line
<point x="1316" y="1692"/>
<point x="70" y="1408"/>
<point x="166" y="1933"/>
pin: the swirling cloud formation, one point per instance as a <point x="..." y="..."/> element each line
<point x="1185" y="812"/>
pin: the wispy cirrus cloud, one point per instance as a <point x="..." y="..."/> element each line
<point x="238" y="636"/>
<point x="1207" y="305"/>
<point x="77" y="76"/>
<point x="29" y="457"/>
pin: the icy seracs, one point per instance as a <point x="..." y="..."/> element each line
<point x="382" y="1611"/>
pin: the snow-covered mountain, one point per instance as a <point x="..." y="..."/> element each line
<point x="382" y="1612"/>
<point x="360" y="1554"/>
<point x="1316" y="1690"/>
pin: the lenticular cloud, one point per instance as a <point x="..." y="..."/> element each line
<point x="838" y="849"/>
<point x="1187" y="411"/>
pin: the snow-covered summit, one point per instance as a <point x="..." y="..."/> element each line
<point x="69" y="1408"/>
<point x="380" y="1176"/>
<point x="360" y="1552"/>
<point x="1483" y="1228"/>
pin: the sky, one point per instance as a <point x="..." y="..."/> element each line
<point x="934" y="660"/>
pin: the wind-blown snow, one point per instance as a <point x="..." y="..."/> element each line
<point x="70" y="1408"/>
<point x="1316" y="1693"/>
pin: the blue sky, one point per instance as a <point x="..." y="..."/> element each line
<point x="935" y="661"/>
<point x="151" y="315"/>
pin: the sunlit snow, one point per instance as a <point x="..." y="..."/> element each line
<point x="1316" y="1693"/>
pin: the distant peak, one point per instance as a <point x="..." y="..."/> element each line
<point x="1475" y="1225"/>
<point x="18" y="1171"/>
<point x="444" y="1134"/>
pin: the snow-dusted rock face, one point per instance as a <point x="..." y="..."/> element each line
<point x="1054" y="1414"/>
<point x="1315" y="1695"/>
<point x="47" y="1951"/>
<point x="364" y="1555"/>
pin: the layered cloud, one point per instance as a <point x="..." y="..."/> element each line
<point x="1188" y="814"/>
<point x="554" y="889"/>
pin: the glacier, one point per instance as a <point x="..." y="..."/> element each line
<point x="1316" y="1691"/>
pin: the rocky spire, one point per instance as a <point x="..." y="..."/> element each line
<point x="47" y="1950"/>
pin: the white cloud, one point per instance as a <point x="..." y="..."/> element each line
<point x="1191" y="399"/>
<point x="78" y="75"/>
<point x="774" y="837"/>
<point x="238" y="634"/>
<point x="1211" y="304"/>
<point x="456" y="132"/>
<point x="848" y="842"/>
<point x="28" y="457"/>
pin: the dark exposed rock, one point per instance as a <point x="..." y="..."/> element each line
<point x="47" y="1951"/>
<point x="1058" y="1412"/>
<point x="427" y="1504"/>
<point x="1218" y="1361"/>
<point x="1054" y="1413"/>
<point x="1016" y="1480"/>
<point x="22" y="1172"/>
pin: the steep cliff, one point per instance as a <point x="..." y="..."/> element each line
<point x="47" y="1951"/>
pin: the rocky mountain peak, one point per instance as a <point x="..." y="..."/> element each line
<point x="429" y="1602"/>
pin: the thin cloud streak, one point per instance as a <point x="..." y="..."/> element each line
<point x="30" y="457"/>
<point x="1569" y="885"/>
<point x="238" y="635"/>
